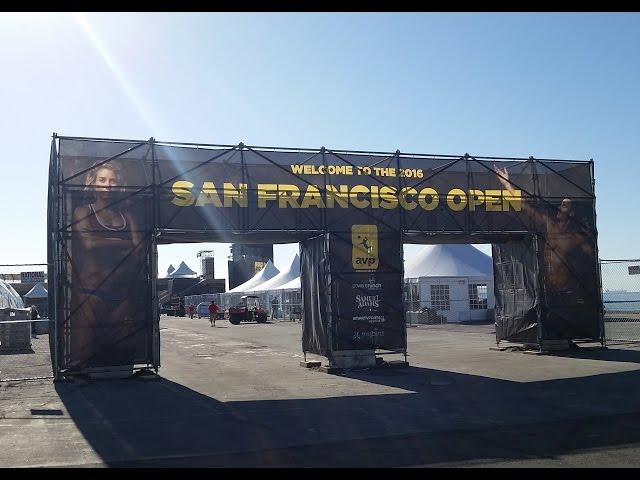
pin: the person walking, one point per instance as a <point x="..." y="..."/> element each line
<point x="213" y="310"/>
<point x="33" y="314"/>
<point x="191" y="310"/>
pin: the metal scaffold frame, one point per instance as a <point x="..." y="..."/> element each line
<point x="448" y="228"/>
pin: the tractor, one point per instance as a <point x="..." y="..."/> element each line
<point x="248" y="310"/>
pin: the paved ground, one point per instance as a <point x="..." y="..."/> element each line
<point x="34" y="363"/>
<point x="236" y="396"/>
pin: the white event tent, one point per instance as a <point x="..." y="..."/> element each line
<point x="281" y="278"/>
<point x="267" y="273"/>
<point x="183" y="271"/>
<point x="454" y="281"/>
<point x="278" y="291"/>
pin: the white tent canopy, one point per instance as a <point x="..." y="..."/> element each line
<point x="9" y="298"/>
<point x="268" y="272"/>
<point x="284" y="277"/>
<point x="183" y="271"/>
<point x="38" y="291"/>
<point x="295" y="283"/>
<point x="451" y="260"/>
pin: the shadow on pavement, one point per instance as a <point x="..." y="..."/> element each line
<point x="608" y="355"/>
<point x="434" y="417"/>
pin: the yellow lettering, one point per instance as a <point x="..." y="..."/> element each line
<point x="493" y="201"/>
<point x="430" y="193"/>
<point x="453" y="193"/>
<point x="388" y="195"/>
<point x="288" y="195"/>
<point x="239" y="194"/>
<point x="341" y="198"/>
<point x="208" y="195"/>
<point x="515" y="200"/>
<point x="312" y="198"/>
<point x="266" y="191"/>
<point x="402" y="198"/>
<point x="182" y="193"/>
<point x="358" y="202"/>
<point x="476" y="197"/>
<point x="375" y="196"/>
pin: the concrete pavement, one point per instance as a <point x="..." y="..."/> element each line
<point x="236" y="396"/>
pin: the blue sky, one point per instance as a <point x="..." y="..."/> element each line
<point x="547" y="85"/>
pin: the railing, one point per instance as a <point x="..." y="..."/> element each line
<point x="621" y="300"/>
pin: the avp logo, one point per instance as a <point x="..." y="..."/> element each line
<point x="364" y="252"/>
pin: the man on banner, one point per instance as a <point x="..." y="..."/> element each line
<point x="568" y="250"/>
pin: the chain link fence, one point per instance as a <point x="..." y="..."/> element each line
<point x="621" y="299"/>
<point x="279" y="305"/>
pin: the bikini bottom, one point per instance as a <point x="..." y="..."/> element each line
<point x="107" y="296"/>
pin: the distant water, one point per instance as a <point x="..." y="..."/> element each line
<point x="622" y="301"/>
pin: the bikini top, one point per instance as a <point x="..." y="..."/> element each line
<point x="98" y="227"/>
<point x="96" y="216"/>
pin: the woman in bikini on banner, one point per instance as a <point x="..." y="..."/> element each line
<point x="108" y="273"/>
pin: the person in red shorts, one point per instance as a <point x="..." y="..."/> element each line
<point x="191" y="310"/>
<point x="213" y="310"/>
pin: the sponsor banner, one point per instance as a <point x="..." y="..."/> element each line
<point x="367" y="295"/>
<point x="368" y="319"/>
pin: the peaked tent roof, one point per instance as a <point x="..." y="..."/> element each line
<point x="9" y="298"/>
<point x="285" y="276"/>
<point x="170" y="270"/>
<point x="182" y="271"/>
<point x="295" y="283"/>
<point x="268" y="271"/>
<point x="452" y="260"/>
<point x="38" y="291"/>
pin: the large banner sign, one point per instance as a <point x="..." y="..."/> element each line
<point x="293" y="191"/>
<point x="105" y="314"/>
<point x="247" y="190"/>
<point x="31" y="277"/>
<point x="366" y="280"/>
<point x="113" y="201"/>
<point x="355" y="291"/>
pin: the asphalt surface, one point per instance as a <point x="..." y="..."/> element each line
<point x="235" y="396"/>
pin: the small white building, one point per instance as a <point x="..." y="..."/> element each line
<point x="449" y="283"/>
